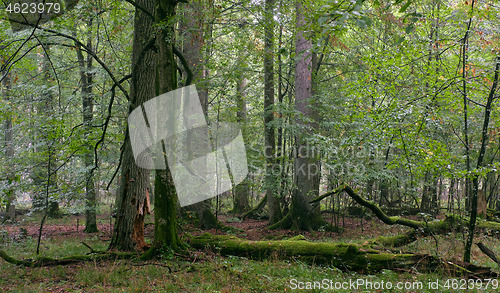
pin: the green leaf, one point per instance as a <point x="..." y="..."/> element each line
<point x="403" y="9"/>
<point x="367" y="20"/>
<point x="323" y="19"/>
<point x="399" y="40"/>
<point x="409" y="28"/>
<point x="361" y="23"/>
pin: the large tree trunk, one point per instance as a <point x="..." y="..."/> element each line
<point x="133" y="195"/>
<point x="271" y="182"/>
<point x="192" y="46"/>
<point x="166" y="236"/>
<point x="307" y="169"/>
<point x="88" y="114"/>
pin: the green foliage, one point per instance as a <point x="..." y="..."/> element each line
<point x="53" y="128"/>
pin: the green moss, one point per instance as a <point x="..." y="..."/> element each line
<point x="298" y="238"/>
<point x="341" y="255"/>
<point x="393" y="241"/>
<point x="488" y="224"/>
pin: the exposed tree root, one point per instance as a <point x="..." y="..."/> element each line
<point x="287" y="222"/>
<point x="345" y="256"/>
<point x="253" y="213"/>
<point x="284" y="223"/>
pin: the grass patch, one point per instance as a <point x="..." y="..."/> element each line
<point x="210" y="272"/>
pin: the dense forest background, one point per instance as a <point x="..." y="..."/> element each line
<point x="384" y="110"/>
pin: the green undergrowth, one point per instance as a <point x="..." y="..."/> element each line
<point x="205" y="272"/>
<point x="215" y="274"/>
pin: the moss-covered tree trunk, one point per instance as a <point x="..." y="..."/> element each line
<point x="133" y="196"/>
<point x="420" y="228"/>
<point x="166" y="203"/>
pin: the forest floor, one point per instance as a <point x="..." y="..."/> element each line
<point x="207" y="271"/>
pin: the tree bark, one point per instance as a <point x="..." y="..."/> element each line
<point x="242" y="190"/>
<point x="166" y="202"/>
<point x="88" y="114"/>
<point x="270" y="181"/>
<point x="9" y="151"/>
<point x="192" y="47"/>
<point x="133" y="196"/>
<point x="307" y="169"/>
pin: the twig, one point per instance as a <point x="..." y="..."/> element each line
<point x="153" y="264"/>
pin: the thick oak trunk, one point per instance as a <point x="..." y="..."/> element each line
<point x="133" y="196"/>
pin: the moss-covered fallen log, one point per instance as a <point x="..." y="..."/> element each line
<point x="43" y="261"/>
<point x="345" y="256"/>
<point x="421" y="228"/>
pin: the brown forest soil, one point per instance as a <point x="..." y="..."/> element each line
<point x="350" y="228"/>
<point x="204" y="267"/>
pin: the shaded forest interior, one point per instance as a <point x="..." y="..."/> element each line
<point x="362" y="136"/>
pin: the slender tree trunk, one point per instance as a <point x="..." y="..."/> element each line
<point x="271" y="184"/>
<point x="281" y="144"/>
<point x="480" y="159"/>
<point x="46" y="108"/>
<point x="133" y="197"/>
<point x="88" y="113"/>
<point x="241" y="190"/>
<point x="470" y="199"/>
<point x="9" y="150"/>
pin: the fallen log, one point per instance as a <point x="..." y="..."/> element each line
<point x="43" y="261"/>
<point x="421" y="228"/>
<point x="345" y="256"/>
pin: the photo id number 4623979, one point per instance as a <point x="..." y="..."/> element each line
<point x="33" y="8"/>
